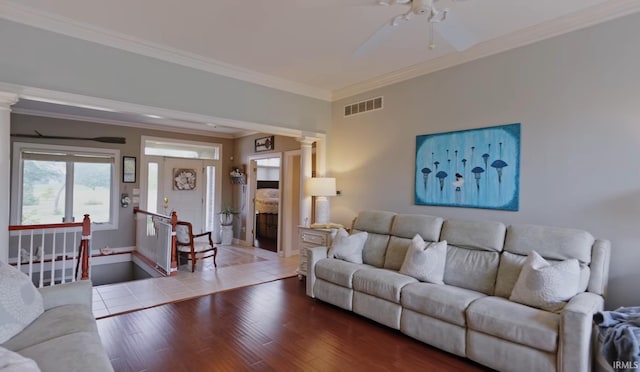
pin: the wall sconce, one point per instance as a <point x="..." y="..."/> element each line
<point x="321" y="187"/>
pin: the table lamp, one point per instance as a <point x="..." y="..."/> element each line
<point x="321" y="187"/>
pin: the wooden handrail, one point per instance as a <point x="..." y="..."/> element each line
<point x="46" y="226"/>
<point x="142" y="211"/>
<point x="86" y="236"/>
<point x="174" y="261"/>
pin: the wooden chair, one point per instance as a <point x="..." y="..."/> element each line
<point x="187" y="245"/>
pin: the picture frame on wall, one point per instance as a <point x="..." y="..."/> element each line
<point x="184" y="179"/>
<point x="473" y="168"/>
<point x="128" y="169"/>
<point x="264" y="144"/>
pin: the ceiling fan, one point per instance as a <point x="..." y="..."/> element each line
<point x="449" y="28"/>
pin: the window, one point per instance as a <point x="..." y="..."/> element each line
<point x="54" y="184"/>
<point x="189" y="150"/>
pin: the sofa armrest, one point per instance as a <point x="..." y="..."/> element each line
<point x="314" y="255"/>
<point x="79" y="292"/>
<point x="575" y="351"/>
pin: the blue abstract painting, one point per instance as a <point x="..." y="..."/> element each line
<point x="475" y="168"/>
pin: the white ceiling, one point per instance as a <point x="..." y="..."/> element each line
<point x="310" y="43"/>
<point x="303" y="46"/>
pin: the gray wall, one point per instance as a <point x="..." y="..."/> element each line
<point x="42" y="59"/>
<point x="125" y="237"/>
<point x="578" y="99"/>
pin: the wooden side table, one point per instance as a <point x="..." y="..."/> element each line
<point x="309" y="238"/>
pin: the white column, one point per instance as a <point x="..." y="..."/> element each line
<point x="6" y="100"/>
<point x="305" y="173"/>
<point x="323" y="213"/>
<point x="321" y="157"/>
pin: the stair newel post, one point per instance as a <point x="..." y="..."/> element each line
<point x="86" y="237"/>
<point x="174" y="262"/>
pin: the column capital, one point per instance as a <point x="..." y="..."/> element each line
<point x="306" y="141"/>
<point x="7" y="99"/>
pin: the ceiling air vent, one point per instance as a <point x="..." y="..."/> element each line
<point x="363" y="106"/>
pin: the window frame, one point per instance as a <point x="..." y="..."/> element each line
<point x="17" y="175"/>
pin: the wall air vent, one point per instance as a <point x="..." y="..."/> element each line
<point x="363" y="106"/>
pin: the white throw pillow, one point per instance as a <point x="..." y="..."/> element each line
<point x="20" y="302"/>
<point x="544" y="285"/>
<point x="13" y="362"/>
<point x="425" y="261"/>
<point x="348" y="247"/>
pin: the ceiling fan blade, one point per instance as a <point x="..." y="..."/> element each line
<point x="375" y="39"/>
<point x="453" y="31"/>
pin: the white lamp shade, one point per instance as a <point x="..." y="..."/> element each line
<point x="321" y="186"/>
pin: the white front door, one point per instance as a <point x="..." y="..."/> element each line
<point x="184" y="191"/>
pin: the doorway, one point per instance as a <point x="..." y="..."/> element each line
<point x="266" y="192"/>
<point x="188" y="185"/>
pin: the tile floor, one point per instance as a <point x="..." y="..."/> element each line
<point x="117" y="298"/>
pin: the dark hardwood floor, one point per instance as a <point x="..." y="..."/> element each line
<point x="266" y="243"/>
<point x="267" y="327"/>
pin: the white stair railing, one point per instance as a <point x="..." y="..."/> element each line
<point x="51" y="254"/>
<point x="156" y="240"/>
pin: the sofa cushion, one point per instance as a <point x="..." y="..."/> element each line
<point x="378" y="225"/>
<point x="408" y="225"/>
<point x="396" y="252"/>
<point x="425" y="261"/>
<point x="13" y="362"/>
<point x="509" y="271"/>
<point x="374" y="249"/>
<point x="53" y="323"/>
<point x="443" y="302"/>
<point x="404" y="228"/>
<point x="377" y="222"/>
<point x="556" y="243"/>
<point x="333" y="293"/>
<point x="20" y="302"/>
<point x="471" y="269"/>
<point x="546" y="286"/>
<point x="514" y="322"/>
<point x="480" y="235"/>
<point x="337" y="271"/>
<point x="78" y="352"/>
<point x="381" y="283"/>
<point x="348" y="247"/>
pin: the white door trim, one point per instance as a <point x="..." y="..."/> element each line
<point x="144" y="177"/>
<point x="289" y="226"/>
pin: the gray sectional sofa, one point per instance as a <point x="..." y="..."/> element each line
<point x="470" y="314"/>
<point x="65" y="337"/>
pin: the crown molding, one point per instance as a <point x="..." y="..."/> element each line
<point x="91" y="119"/>
<point x="607" y="11"/>
<point x="31" y="17"/>
<point x="6" y="100"/>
